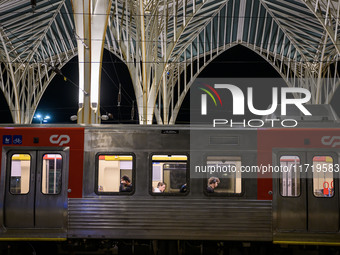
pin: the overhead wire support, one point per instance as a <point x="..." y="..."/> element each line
<point x="58" y="71"/>
<point x="80" y="39"/>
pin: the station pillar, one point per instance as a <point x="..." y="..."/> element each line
<point x="91" y="17"/>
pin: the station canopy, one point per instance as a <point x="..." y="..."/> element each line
<point x="299" y="38"/>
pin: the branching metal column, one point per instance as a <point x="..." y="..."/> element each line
<point x="33" y="45"/>
<point x="90" y="17"/>
<point x="144" y="74"/>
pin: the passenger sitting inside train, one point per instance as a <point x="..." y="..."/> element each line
<point x="125" y="184"/>
<point x="160" y="187"/>
<point x="212" y="184"/>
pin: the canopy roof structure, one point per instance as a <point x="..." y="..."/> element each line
<point x="167" y="43"/>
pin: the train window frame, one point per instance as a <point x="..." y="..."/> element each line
<point x="101" y="193"/>
<point x="187" y="177"/>
<point x="300" y="178"/>
<point x="222" y="194"/>
<point x="314" y="171"/>
<point x="61" y="174"/>
<point x="29" y="174"/>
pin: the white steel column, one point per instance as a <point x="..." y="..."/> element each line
<point x="16" y="114"/>
<point x="143" y="55"/>
<point x="241" y="18"/>
<point x="91" y="17"/>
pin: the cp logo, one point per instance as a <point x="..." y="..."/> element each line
<point x="59" y="139"/>
<point x="333" y="141"/>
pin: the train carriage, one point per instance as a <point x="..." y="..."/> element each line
<point x="63" y="182"/>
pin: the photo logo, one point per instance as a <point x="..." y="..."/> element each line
<point x="204" y="98"/>
<point x="239" y="99"/>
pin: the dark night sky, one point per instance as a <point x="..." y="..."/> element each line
<point x="60" y="100"/>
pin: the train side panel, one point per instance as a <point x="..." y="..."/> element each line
<point x="40" y="168"/>
<point x="306" y="187"/>
<point x="144" y="215"/>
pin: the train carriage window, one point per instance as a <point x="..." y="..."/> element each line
<point x="227" y="174"/>
<point x="115" y="174"/>
<point x="169" y="174"/>
<point x="323" y="182"/>
<point x="290" y="176"/>
<point x="20" y="174"/>
<point x="51" y="174"/>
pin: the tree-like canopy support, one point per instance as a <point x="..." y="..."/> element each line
<point x="166" y="44"/>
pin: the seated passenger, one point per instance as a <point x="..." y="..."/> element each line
<point x="212" y="184"/>
<point x="125" y="184"/>
<point x="160" y="187"/>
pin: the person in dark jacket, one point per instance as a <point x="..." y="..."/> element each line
<point x="125" y="184"/>
<point x="212" y="184"/>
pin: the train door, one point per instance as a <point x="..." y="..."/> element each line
<point x="306" y="197"/>
<point x="35" y="189"/>
<point x="323" y="192"/>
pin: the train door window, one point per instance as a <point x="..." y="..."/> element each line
<point x="20" y="173"/>
<point x="227" y="174"/>
<point x="323" y="182"/>
<point x="169" y="174"/>
<point x="115" y="174"/>
<point x="51" y="174"/>
<point x="290" y="176"/>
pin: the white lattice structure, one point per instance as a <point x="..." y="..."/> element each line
<point x="166" y="44"/>
<point x="32" y="44"/>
